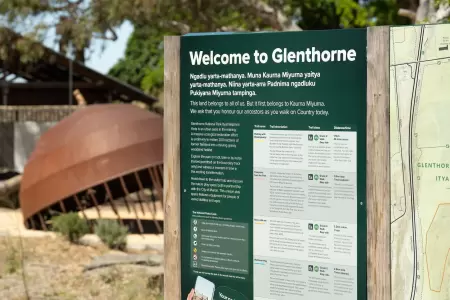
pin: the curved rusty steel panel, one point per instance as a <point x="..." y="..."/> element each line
<point x="92" y="146"/>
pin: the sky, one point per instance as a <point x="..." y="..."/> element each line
<point x="102" y="61"/>
<point x="99" y="60"/>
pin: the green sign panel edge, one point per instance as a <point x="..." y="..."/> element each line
<point x="280" y="40"/>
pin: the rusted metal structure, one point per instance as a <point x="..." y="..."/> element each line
<point x="96" y="155"/>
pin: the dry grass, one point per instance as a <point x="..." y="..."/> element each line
<point x="52" y="268"/>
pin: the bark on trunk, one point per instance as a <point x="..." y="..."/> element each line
<point x="427" y="13"/>
<point x="10" y="186"/>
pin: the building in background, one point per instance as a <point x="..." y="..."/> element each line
<point x="35" y="96"/>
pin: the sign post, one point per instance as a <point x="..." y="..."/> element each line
<point x="277" y="165"/>
<point x="378" y="166"/>
<point x="172" y="257"/>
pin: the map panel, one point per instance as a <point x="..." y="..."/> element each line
<point x="420" y="161"/>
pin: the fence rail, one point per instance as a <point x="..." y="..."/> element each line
<point x="50" y="113"/>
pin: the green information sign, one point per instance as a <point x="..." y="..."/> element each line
<point x="273" y="165"/>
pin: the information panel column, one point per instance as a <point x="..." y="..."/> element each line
<point x="305" y="214"/>
<point x="273" y="165"/>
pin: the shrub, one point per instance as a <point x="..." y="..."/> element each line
<point x="70" y="225"/>
<point x="12" y="260"/>
<point x="112" y="233"/>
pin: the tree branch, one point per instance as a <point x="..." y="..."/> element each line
<point x="426" y="12"/>
<point x="231" y="28"/>
<point x="407" y="13"/>
<point x="103" y="36"/>
<point x="182" y="28"/>
<point x="423" y="11"/>
<point x="276" y="18"/>
<point x="10" y="186"/>
<point x="442" y="13"/>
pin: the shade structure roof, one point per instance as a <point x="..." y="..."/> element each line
<point x="53" y="71"/>
<point x="93" y="145"/>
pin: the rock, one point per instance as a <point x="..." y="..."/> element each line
<point x="133" y="244"/>
<point x="90" y="240"/>
<point x="111" y="259"/>
<point x="115" y="252"/>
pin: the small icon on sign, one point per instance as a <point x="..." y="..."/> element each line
<point x="316" y="177"/>
<point x="310" y="176"/>
<point x="316" y="137"/>
<point x="310" y="137"/>
<point x="195" y="228"/>
<point x="316" y="226"/>
<point x="195" y="256"/>
<point x="195" y="250"/>
<point x="310" y="226"/>
<point x="195" y="222"/>
<point x="195" y="235"/>
<point x="195" y="243"/>
<point x="310" y="268"/>
<point x="316" y="269"/>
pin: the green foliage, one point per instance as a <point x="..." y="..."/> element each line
<point x="71" y="226"/>
<point x="153" y="81"/>
<point x="386" y="12"/>
<point x="10" y="45"/>
<point x="142" y="65"/>
<point x="335" y="14"/>
<point x="112" y="233"/>
<point x="80" y="22"/>
<point x="12" y="262"/>
<point x="331" y="14"/>
<point x="71" y="23"/>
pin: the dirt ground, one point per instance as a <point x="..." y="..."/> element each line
<point x="50" y="268"/>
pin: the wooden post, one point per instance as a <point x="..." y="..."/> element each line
<point x="378" y="169"/>
<point x="79" y="97"/>
<point x="172" y="255"/>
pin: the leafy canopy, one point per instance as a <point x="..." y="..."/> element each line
<point x="142" y="65"/>
<point x="75" y="25"/>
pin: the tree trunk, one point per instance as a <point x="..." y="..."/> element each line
<point x="10" y="186"/>
<point x="426" y="12"/>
